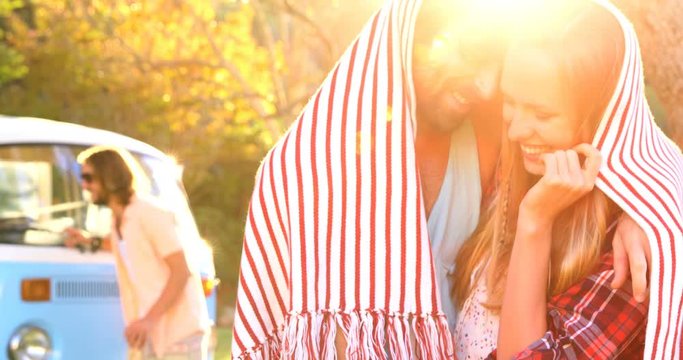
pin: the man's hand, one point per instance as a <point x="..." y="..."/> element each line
<point x="83" y="240"/>
<point x="631" y="255"/>
<point x="138" y="332"/>
<point x="75" y="237"/>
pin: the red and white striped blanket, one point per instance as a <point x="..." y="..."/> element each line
<point x="336" y="233"/>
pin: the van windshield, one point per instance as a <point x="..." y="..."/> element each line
<point x="41" y="196"/>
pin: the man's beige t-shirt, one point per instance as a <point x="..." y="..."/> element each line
<point x="148" y="234"/>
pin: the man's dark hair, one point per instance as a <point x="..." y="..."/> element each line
<point x="113" y="172"/>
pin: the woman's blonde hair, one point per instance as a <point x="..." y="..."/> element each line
<point x="589" y="50"/>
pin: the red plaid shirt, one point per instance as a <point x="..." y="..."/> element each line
<point x="592" y="321"/>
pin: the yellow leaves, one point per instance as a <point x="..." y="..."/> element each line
<point x="177" y="127"/>
<point x="220" y="76"/>
<point x="279" y="57"/>
<point x="206" y="13"/>
<point x="181" y="68"/>
<point x="126" y="10"/>
<point x="7" y="6"/>
<point x="189" y="121"/>
<point x="192" y="119"/>
<point x="270" y="107"/>
<point x="216" y="126"/>
<point x="12" y="64"/>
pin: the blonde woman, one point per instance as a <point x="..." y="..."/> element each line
<point x="533" y="282"/>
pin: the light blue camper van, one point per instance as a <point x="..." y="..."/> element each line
<point x="56" y="302"/>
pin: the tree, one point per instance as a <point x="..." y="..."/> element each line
<point x="660" y="31"/>
<point x="186" y="77"/>
<point x="12" y="65"/>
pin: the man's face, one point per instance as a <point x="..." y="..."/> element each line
<point x="91" y="183"/>
<point x="454" y="71"/>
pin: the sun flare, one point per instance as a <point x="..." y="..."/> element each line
<point x="491" y="19"/>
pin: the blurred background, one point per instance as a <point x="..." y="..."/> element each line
<point x="216" y="82"/>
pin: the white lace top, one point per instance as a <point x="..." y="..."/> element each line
<point x="476" y="332"/>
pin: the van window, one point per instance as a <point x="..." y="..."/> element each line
<point x="40" y="193"/>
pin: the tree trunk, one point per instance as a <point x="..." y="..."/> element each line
<point x="660" y="31"/>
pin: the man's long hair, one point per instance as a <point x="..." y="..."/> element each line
<point x="112" y="171"/>
<point x="589" y="50"/>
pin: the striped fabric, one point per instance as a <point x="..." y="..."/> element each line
<point x="643" y="173"/>
<point x="336" y="233"/>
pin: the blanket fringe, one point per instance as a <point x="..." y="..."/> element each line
<point x="269" y="349"/>
<point x="398" y="335"/>
<point x="429" y="332"/>
<point x="378" y="332"/>
<point x="328" y="335"/>
<point x="369" y="335"/>
<point x="298" y="337"/>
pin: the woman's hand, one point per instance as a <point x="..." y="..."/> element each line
<point x="564" y="182"/>
<point x="524" y="310"/>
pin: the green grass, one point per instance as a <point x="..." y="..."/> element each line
<point x="224" y="341"/>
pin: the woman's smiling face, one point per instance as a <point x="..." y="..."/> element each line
<point x="538" y="111"/>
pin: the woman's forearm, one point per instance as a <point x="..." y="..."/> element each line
<point x="523" y="313"/>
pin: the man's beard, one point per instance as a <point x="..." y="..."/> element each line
<point x="439" y="123"/>
<point x="449" y="125"/>
<point x="102" y="199"/>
